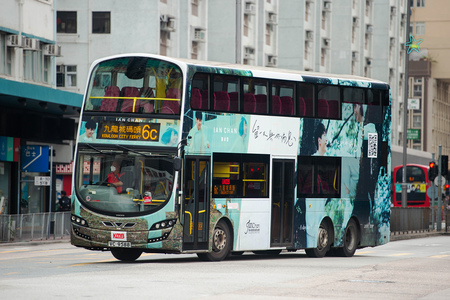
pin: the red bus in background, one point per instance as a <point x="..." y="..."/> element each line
<point x="418" y="183"/>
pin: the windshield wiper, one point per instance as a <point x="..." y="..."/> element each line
<point x="92" y="147"/>
<point x="134" y="151"/>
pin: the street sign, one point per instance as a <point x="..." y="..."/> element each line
<point x="430" y="192"/>
<point x="413" y="103"/>
<point x="42" y="180"/>
<point x="34" y="158"/>
<point x="413" y="134"/>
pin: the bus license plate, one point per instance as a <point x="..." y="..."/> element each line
<point x="119" y="244"/>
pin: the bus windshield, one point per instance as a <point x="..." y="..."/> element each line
<point x="135" y="85"/>
<point x="123" y="180"/>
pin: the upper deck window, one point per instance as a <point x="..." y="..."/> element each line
<point x="135" y="85"/>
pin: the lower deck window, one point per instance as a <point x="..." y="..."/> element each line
<point x="240" y="176"/>
<point x="318" y="177"/>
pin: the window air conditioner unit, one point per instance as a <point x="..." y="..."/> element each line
<point x="368" y="61"/>
<point x="355" y="56"/>
<point x="249" y="53"/>
<point x="35" y="44"/>
<point x="355" y="22"/>
<point x="167" y="23"/>
<point x="369" y="28"/>
<point x="27" y="43"/>
<point x="250" y="8"/>
<point x="14" y="40"/>
<point x="199" y="35"/>
<point x="326" y="43"/>
<point x="393" y="10"/>
<point x="327" y="6"/>
<point x="52" y="50"/>
<point x="271" y="18"/>
<point x="309" y="35"/>
<point x="271" y="61"/>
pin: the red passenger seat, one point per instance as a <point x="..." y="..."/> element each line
<point x="110" y="104"/>
<point x="221" y="101"/>
<point x="276" y="105"/>
<point x="261" y="104"/>
<point x="322" y="110"/>
<point x="287" y="106"/>
<point x="171" y="106"/>
<point x="249" y="103"/>
<point x="127" y="104"/>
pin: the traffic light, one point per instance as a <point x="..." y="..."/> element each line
<point x="432" y="171"/>
<point x="447" y="189"/>
<point x="444" y="165"/>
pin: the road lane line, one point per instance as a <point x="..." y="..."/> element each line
<point x="400" y="254"/>
<point x="440" y="256"/>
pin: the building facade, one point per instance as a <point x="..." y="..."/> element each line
<point x="429" y="77"/>
<point x="34" y="115"/>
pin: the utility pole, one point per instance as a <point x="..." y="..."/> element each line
<point x="405" y="109"/>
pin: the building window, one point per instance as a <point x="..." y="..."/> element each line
<point x="246" y="25"/>
<point x="9" y="60"/>
<point x="101" y="22"/>
<point x="194" y="52"/>
<point x="420" y="3"/>
<point x="66" y="76"/>
<point x="66" y="22"/>
<point x="268" y="29"/>
<point x="47" y="64"/>
<point x="28" y="65"/>
<point x="417" y="90"/>
<point x="417" y="121"/>
<point x="323" y="53"/>
<point x="164" y="37"/>
<point x="420" y="28"/>
<point x="194" y="7"/>
<point x="324" y="19"/>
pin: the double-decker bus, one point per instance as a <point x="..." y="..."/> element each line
<point x="417" y="185"/>
<point x="183" y="156"/>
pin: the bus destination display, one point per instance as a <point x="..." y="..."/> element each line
<point x="112" y="130"/>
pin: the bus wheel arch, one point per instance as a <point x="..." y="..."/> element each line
<point x="351" y="239"/>
<point x="222" y="242"/>
<point x="325" y="239"/>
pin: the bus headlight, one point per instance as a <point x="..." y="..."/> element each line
<point x="163" y="224"/>
<point x="79" y="221"/>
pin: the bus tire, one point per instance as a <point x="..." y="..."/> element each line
<point x="221" y="244"/>
<point x="323" y="242"/>
<point x="126" y="254"/>
<point x="351" y="240"/>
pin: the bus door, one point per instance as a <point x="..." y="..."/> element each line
<point x="283" y="176"/>
<point x="196" y="203"/>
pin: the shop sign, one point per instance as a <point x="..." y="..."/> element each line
<point x="64" y="168"/>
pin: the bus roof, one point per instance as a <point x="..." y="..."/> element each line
<point x="268" y="71"/>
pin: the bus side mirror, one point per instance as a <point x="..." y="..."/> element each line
<point x="177" y="163"/>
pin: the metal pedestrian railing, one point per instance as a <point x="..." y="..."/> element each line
<point x="32" y="227"/>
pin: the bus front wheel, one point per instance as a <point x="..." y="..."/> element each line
<point x="323" y="242"/>
<point x="350" y="240"/>
<point x="126" y="254"/>
<point x="221" y="244"/>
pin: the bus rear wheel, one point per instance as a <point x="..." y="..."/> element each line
<point x="126" y="254"/>
<point x="221" y="244"/>
<point x="351" y="240"/>
<point x="323" y="242"/>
